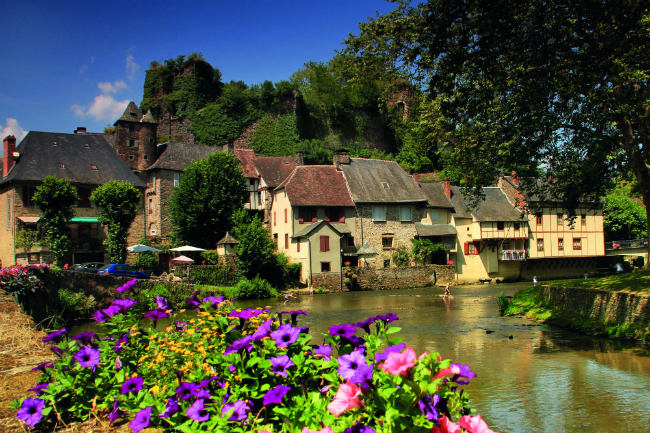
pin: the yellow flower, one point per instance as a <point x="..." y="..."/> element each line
<point x="155" y="389"/>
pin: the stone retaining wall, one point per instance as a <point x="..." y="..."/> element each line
<point x="391" y="278"/>
<point x="619" y="308"/>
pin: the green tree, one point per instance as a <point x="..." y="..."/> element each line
<point x="118" y="203"/>
<point x="210" y="190"/>
<point x="55" y="198"/>
<point x="623" y="218"/>
<point x="275" y="135"/>
<point x="255" y="248"/>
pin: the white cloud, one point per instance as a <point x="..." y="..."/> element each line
<point x="103" y="108"/>
<point x="13" y="128"/>
<point x="131" y="66"/>
<point x="107" y="87"/>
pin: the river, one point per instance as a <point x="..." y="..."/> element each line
<point x="530" y="378"/>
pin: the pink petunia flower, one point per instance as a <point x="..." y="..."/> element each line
<point x="452" y="369"/>
<point x="474" y="424"/>
<point x="446" y="426"/>
<point x="323" y="430"/>
<point x="347" y="397"/>
<point x="399" y="363"/>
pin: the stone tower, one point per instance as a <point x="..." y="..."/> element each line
<point x="135" y="138"/>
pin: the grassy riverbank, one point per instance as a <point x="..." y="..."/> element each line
<point x="532" y="303"/>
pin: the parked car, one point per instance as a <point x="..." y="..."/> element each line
<point x="123" y="270"/>
<point x="89" y="267"/>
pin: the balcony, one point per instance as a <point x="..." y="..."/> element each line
<point x="513" y="255"/>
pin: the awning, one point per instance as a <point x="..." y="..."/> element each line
<point x="435" y="229"/>
<point x="29" y="219"/>
<point x="84" y="220"/>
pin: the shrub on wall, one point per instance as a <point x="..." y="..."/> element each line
<point x="401" y="256"/>
<point x="256" y="288"/>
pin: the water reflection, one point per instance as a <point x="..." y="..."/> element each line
<point x="530" y="378"/>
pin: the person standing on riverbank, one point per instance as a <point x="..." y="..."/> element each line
<point x="535" y="280"/>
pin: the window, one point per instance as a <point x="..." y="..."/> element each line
<point x="131" y="127"/>
<point x="583" y="219"/>
<point x="307" y="215"/>
<point x="84" y="197"/>
<point x="150" y="205"/>
<point x="131" y="143"/>
<point x="559" y="219"/>
<point x="387" y="242"/>
<point x="471" y="249"/>
<point x="325" y="266"/>
<point x="435" y="215"/>
<point x="516" y="226"/>
<point x="33" y="258"/>
<point x="379" y="213"/>
<point x="387" y="263"/>
<point x="275" y="219"/>
<point x="130" y="157"/>
<point x="275" y="240"/>
<point x="177" y="179"/>
<point x="27" y="194"/>
<point x="251" y="182"/>
<point x="286" y="219"/>
<point x="540" y="244"/>
<point x="500" y="225"/>
<point x="286" y="241"/>
<point x="538" y="218"/>
<point x="324" y="243"/>
<point x="334" y="214"/>
<point x="145" y="157"/>
<point x="405" y="214"/>
<point x="577" y="244"/>
<point x="560" y="244"/>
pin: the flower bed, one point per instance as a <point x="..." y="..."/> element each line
<point x="246" y="371"/>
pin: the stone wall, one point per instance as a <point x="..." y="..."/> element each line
<point x="606" y="307"/>
<point x="370" y="278"/>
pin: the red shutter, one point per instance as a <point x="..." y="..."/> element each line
<point x="298" y="245"/>
<point x="285" y="216"/>
<point x="286" y="241"/>
<point x="324" y="243"/>
<point x="466" y="248"/>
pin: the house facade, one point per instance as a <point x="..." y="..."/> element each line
<point x="436" y="225"/>
<point x="312" y="219"/>
<point x="84" y="159"/>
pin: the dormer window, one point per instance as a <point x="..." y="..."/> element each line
<point x="93" y="167"/>
<point x="385" y="185"/>
<point x="61" y="165"/>
<point x="86" y="145"/>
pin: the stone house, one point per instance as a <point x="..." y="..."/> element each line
<point x="388" y="202"/>
<point x="312" y="220"/>
<point x="86" y="160"/>
<point x="492" y="236"/>
<point x="557" y="245"/>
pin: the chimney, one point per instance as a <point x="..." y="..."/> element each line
<point x="447" y="187"/>
<point x="299" y="158"/>
<point x="8" y="157"/>
<point x="341" y="156"/>
<point x="80" y="130"/>
<point x="515" y="178"/>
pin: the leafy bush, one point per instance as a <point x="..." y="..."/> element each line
<point x="212" y="274"/>
<point x="401" y="256"/>
<point x="246" y="371"/>
<point x="424" y="250"/>
<point x="210" y="257"/>
<point x="27" y="238"/>
<point x="257" y="288"/>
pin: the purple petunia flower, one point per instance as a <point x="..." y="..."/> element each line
<point x="43" y="366"/>
<point x="294" y="315"/>
<point x="170" y="408"/>
<point x="464" y="372"/>
<point x="365" y="325"/>
<point x="55" y="336"/>
<point x="324" y="352"/>
<point x="354" y="367"/>
<point x="156" y="315"/>
<point x="127" y="286"/>
<point x="239" y="410"/>
<point x="99" y="316"/>
<point x="38" y="389"/>
<point x="275" y="395"/>
<point x="132" y="385"/>
<point x="390" y="349"/>
<point x="31" y="411"/>
<point x="237" y="345"/>
<point x="387" y="318"/>
<point x="115" y="413"/>
<point x="345" y="330"/>
<point x="205" y="382"/>
<point x="197" y="411"/>
<point x="56" y="350"/>
<point x="85" y="338"/>
<point x="232" y="368"/>
<point x="124" y="304"/>
<point x="141" y="420"/>
<point x="112" y="310"/>
<point x="179" y="326"/>
<point x="184" y="390"/>
<point x="359" y="428"/>
<point x="119" y="343"/>
<point x="193" y="300"/>
<point x="161" y="303"/>
<point x="214" y="302"/>
<point x="285" y="335"/>
<point x="87" y="357"/>
<point x="427" y="406"/>
<point x="201" y="393"/>
<point x="279" y="365"/>
<point x="263" y="330"/>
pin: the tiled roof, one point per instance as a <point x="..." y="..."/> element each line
<point x="247" y="160"/>
<point x="435" y="229"/>
<point x="177" y="156"/>
<point x="435" y="193"/>
<point x="228" y="239"/>
<point x="80" y="158"/>
<point x="378" y="181"/>
<point x="274" y="169"/>
<point x="316" y="185"/>
<point x="494" y="207"/>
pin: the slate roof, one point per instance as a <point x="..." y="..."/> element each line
<point x="274" y="169"/>
<point x="436" y="196"/>
<point x="177" y="156"/>
<point x="378" y="181"/>
<point x="247" y="160"/>
<point x="307" y="229"/>
<point x="494" y="207"/>
<point x="435" y="229"/>
<point x="43" y="153"/>
<point x="132" y="113"/>
<point x="316" y="185"/>
<point x="228" y="239"/>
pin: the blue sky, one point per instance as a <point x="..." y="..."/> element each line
<point x="74" y="63"/>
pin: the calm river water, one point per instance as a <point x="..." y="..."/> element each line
<point x="542" y="379"/>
